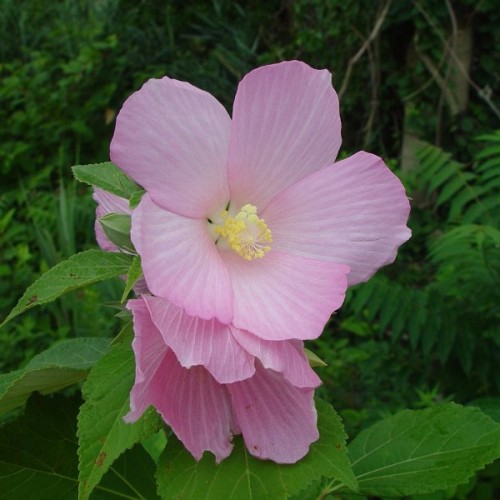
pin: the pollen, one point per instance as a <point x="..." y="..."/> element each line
<point x="246" y="233"/>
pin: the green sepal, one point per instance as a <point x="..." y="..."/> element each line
<point x="117" y="228"/>
<point x="314" y="359"/>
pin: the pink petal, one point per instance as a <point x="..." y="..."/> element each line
<point x="282" y="296"/>
<point x="140" y="287"/>
<point x="277" y="420"/>
<point x="196" y="407"/>
<point x="280" y="356"/>
<point x="107" y="203"/>
<point x="353" y="212"/>
<point x="172" y="139"/>
<point x="286" y="125"/>
<point x="180" y="261"/>
<point x="150" y="350"/>
<point x="191" y="402"/>
<point x="110" y="203"/>
<point x="199" y="342"/>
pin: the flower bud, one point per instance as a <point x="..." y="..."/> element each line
<point x="117" y="229"/>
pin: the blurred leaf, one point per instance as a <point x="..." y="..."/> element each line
<point x="416" y="452"/>
<point x="62" y="365"/>
<point x="242" y="477"/>
<point x="102" y="434"/>
<point x="82" y="269"/>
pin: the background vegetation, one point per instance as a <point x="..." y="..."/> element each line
<point x="419" y="83"/>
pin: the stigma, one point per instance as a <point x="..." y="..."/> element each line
<point x="246" y="233"/>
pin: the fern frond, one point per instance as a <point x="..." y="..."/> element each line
<point x="471" y="195"/>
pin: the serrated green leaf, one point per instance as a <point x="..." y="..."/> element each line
<point x="488" y="405"/>
<point x="38" y="457"/>
<point x="102" y="434"/>
<point x="242" y="477"/>
<point x="62" y="365"/>
<point x="106" y="176"/>
<point x="81" y="269"/>
<point x="417" y="452"/>
<point x="134" y="273"/>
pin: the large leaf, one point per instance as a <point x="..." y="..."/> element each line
<point x="242" y="477"/>
<point x="63" y="364"/>
<point x="102" y="434"/>
<point x="38" y="458"/>
<point x="79" y="270"/>
<point x="417" y="452"/>
<point x="106" y="176"/>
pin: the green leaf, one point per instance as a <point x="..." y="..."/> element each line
<point x="106" y="176"/>
<point x="241" y="476"/>
<point x="62" y="365"/>
<point x="79" y="270"/>
<point x="134" y="273"/>
<point x="488" y="405"/>
<point x="38" y="457"/>
<point x="132" y="476"/>
<point x="136" y="198"/>
<point x="102" y="434"/>
<point x="416" y="452"/>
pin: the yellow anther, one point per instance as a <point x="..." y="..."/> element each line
<point x="246" y="233"/>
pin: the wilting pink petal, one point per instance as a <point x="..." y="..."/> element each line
<point x="281" y="356"/>
<point x="200" y="342"/>
<point x="172" y="139"/>
<point x="282" y="296"/>
<point x="286" y="124"/>
<point x="352" y="212"/>
<point x="191" y="402"/>
<point x="277" y="420"/>
<point x="181" y="262"/>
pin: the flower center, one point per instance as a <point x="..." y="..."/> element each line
<point x="246" y="233"/>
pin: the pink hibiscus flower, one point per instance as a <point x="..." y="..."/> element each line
<point x="210" y="381"/>
<point x="249" y="221"/>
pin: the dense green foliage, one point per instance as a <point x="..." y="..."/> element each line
<point x="424" y="330"/>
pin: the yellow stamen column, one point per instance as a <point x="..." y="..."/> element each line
<point x="246" y="233"/>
